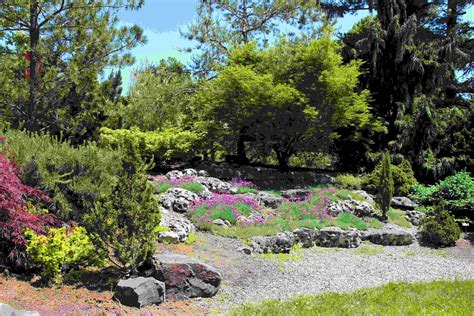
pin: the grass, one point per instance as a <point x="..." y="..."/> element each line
<point x="243" y="190"/>
<point x="346" y="220"/>
<point x="398" y="217"/>
<point x="434" y="298"/>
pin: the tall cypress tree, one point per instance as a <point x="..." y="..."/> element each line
<point x="385" y="187"/>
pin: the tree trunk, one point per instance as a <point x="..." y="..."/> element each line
<point x="283" y="158"/>
<point x="241" y="155"/>
<point x="34" y="33"/>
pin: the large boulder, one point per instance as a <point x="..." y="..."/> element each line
<point x="296" y="194"/>
<point x="216" y="185"/>
<point x="306" y="237"/>
<point x="281" y="243"/>
<point x="368" y="197"/>
<point x="178" y="199"/>
<point x="269" y="200"/>
<point x="140" y="292"/>
<point x="403" y="203"/>
<point x="358" y="208"/>
<point x="179" y="227"/>
<point x="336" y="237"/>
<point x="389" y="237"/>
<point x="415" y="217"/>
<point x="185" y="277"/>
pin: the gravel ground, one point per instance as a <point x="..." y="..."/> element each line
<point x="316" y="270"/>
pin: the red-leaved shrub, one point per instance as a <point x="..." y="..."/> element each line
<point x="17" y="213"/>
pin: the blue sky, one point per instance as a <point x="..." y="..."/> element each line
<point x="161" y="21"/>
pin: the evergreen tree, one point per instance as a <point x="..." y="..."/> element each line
<point x="412" y="51"/>
<point x="56" y="50"/>
<point x="385" y="187"/>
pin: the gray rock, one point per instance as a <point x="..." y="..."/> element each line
<point x="216" y="185"/>
<point x="415" y="217"/>
<point x="269" y="200"/>
<point x="175" y="174"/>
<point x="403" y="203"/>
<point x="179" y="227"/>
<point x="281" y="243"/>
<point x="219" y="222"/>
<point x="7" y="310"/>
<point x="368" y="197"/>
<point x="296" y="194"/>
<point x="336" y="237"/>
<point x="306" y="237"/>
<point x="358" y="208"/>
<point x="334" y="209"/>
<point x="203" y="173"/>
<point x="245" y="249"/>
<point x="178" y="199"/>
<point x="140" y="292"/>
<point x="189" y="173"/>
<point x="389" y="237"/>
<point x="185" y="277"/>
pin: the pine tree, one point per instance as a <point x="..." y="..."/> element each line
<point x="385" y="188"/>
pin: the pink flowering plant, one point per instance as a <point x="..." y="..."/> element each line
<point x="227" y="207"/>
<point x="244" y="186"/>
<point x="162" y="184"/>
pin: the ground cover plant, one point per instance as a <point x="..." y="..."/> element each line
<point x="434" y="298"/>
<point x="162" y="184"/>
<point x="246" y="218"/>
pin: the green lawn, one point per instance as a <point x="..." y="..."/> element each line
<point x="435" y="298"/>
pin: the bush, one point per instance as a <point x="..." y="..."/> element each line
<point x="59" y="248"/>
<point x="172" y="143"/>
<point x="74" y="176"/>
<point x="403" y="178"/>
<point x="457" y="191"/>
<point x="348" y="181"/>
<point x="385" y="185"/>
<point x="19" y="211"/>
<point x="124" y="222"/>
<point x="87" y="182"/>
<point x="439" y="228"/>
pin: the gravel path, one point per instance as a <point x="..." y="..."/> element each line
<point x="316" y="270"/>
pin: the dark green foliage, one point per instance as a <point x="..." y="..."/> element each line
<point x="385" y="185"/>
<point x="414" y="54"/>
<point x="73" y="176"/>
<point x="403" y="178"/>
<point x="124" y="221"/>
<point x="69" y="44"/>
<point x="439" y="228"/>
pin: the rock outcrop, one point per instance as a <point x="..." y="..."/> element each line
<point x="184" y="277"/>
<point x="140" y="292"/>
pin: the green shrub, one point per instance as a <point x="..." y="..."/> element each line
<point x="74" y="176"/>
<point x="348" y="181"/>
<point x="172" y="143"/>
<point x="385" y="186"/>
<point x="124" y="222"/>
<point x="59" y="248"/>
<point x="403" y="178"/>
<point x="439" y="228"/>
<point x="457" y="191"/>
